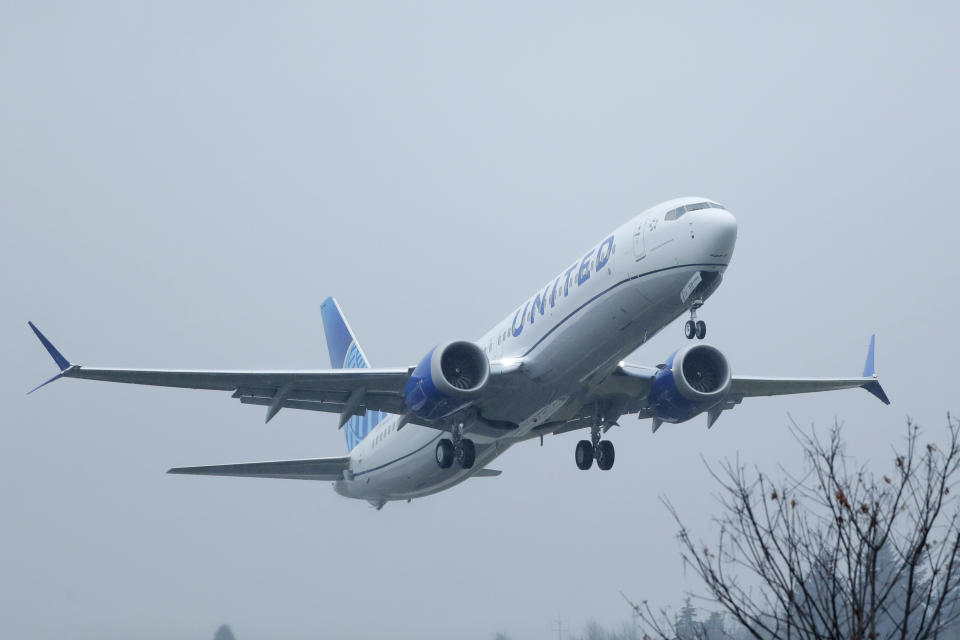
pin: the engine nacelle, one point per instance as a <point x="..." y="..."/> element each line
<point x="449" y="378"/>
<point x="694" y="379"/>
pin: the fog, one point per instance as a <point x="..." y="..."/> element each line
<point x="181" y="184"/>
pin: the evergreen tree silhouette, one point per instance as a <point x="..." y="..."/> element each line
<point x="224" y="633"/>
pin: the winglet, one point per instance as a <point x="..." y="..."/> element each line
<point x="870" y="371"/>
<point x="869" y="367"/>
<point x="874" y="387"/>
<point x="62" y="362"/>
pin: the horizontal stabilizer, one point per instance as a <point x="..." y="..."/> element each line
<point x="316" y="469"/>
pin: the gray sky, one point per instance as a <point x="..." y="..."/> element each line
<point x="181" y="185"/>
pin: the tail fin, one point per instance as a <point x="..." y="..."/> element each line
<point x="346" y="353"/>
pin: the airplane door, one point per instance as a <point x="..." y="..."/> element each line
<point x="639" y="248"/>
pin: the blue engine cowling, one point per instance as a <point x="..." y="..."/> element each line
<point x="449" y="378"/>
<point x="694" y="379"/>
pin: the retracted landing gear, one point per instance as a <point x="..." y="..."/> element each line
<point x="459" y="448"/>
<point x="595" y="449"/>
<point x="694" y="328"/>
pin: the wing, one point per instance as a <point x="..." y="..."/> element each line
<point x="344" y="391"/>
<point x="750" y="386"/>
<point x="626" y="391"/>
<point x="316" y="469"/>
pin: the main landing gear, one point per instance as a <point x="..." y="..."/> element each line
<point x="694" y="328"/>
<point x="459" y="449"/>
<point x="595" y="449"/>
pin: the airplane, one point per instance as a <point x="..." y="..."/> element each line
<point x="554" y="364"/>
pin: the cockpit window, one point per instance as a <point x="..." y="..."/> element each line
<point x="673" y="214"/>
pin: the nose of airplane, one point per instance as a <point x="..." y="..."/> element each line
<point x="720" y="228"/>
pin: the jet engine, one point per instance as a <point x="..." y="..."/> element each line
<point x="449" y="378"/>
<point x="694" y="379"/>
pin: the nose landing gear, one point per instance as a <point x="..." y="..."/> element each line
<point x="694" y="328"/>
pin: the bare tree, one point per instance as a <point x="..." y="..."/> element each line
<point x="837" y="552"/>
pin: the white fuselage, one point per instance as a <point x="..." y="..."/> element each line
<point x="567" y="336"/>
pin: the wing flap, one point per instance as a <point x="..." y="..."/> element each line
<point x="387" y="404"/>
<point x="328" y="469"/>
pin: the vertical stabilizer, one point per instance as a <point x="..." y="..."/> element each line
<point x="346" y="353"/>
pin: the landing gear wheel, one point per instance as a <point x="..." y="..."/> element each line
<point x="701" y="329"/>
<point x="444" y="454"/>
<point x="584" y="455"/>
<point x="693" y="327"/>
<point x="466" y="453"/>
<point x="605" y="455"/>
